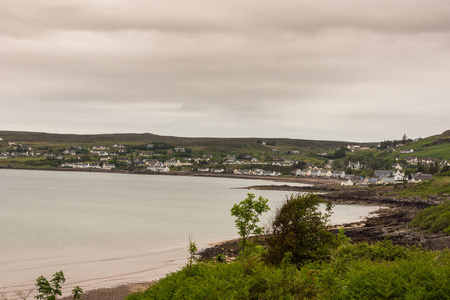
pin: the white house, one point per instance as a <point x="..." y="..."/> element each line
<point x="355" y="166"/>
<point x="398" y="167"/>
<point x="326" y="173"/>
<point x="306" y="172"/>
<point x="338" y="174"/>
<point x="347" y="183"/>
<point x="255" y="160"/>
<point x="411" y="160"/>
<point x="107" y="166"/>
<point x="399" y="177"/>
<point x="163" y="169"/>
<point x="406" y="151"/>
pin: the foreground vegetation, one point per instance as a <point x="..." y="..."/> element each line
<point x="353" y="271"/>
<point x="299" y="263"/>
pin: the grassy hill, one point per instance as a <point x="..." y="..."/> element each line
<point x="436" y="146"/>
<point x="207" y="144"/>
<point x="314" y="152"/>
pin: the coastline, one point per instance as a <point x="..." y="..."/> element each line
<point x="378" y="227"/>
<point x="391" y="222"/>
<point x="293" y="179"/>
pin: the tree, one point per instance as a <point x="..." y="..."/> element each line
<point x="301" y="229"/>
<point x="247" y="214"/>
<point x="404" y="139"/>
<point x="340" y="153"/>
<point x="50" y="290"/>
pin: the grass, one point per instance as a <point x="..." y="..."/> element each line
<point x="355" y="271"/>
<point x="212" y="144"/>
<point x="434" y="219"/>
<point x="26" y="162"/>
<point x="436" y="186"/>
<point x="437" y="146"/>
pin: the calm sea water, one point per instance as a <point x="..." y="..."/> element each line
<point x="105" y="229"/>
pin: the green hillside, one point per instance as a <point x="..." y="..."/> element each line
<point x="437" y="146"/>
<point x="207" y="144"/>
<point x="48" y="150"/>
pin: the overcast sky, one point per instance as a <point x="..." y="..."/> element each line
<point x="336" y="70"/>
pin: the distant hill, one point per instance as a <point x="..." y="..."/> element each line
<point x="213" y="144"/>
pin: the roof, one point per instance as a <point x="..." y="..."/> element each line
<point x="382" y="173"/>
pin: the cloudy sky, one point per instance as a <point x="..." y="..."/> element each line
<point x="338" y="70"/>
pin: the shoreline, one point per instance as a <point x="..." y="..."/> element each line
<point x="284" y="178"/>
<point x="387" y="222"/>
<point x="393" y="222"/>
<point x="118" y="292"/>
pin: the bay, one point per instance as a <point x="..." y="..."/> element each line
<point x="105" y="229"/>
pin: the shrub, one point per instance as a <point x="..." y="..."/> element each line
<point x="221" y="258"/>
<point x="300" y="228"/>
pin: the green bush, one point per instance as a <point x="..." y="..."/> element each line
<point x="300" y="228"/>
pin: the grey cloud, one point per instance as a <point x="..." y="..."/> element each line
<point x="237" y="17"/>
<point x="256" y="68"/>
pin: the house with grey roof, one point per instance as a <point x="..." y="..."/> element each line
<point x="382" y="173"/>
<point x="419" y="177"/>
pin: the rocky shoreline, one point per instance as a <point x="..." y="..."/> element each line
<point x="391" y="222"/>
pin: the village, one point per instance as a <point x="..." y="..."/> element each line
<point x="165" y="158"/>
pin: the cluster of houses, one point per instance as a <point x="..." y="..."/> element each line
<point x="379" y="177"/>
<point x="413" y="160"/>
<point x="21" y="150"/>
<point x="384" y="177"/>
<point x="316" y="172"/>
<point x="157" y="166"/>
<point x="354" y="148"/>
<point x="256" y="172"/>
<point x="89" y="165"/>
